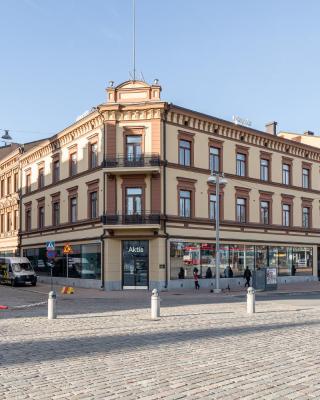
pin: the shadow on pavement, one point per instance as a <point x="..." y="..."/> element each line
<point x="36" y="351"/>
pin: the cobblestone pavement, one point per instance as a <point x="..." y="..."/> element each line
<point x="201" y="348"/>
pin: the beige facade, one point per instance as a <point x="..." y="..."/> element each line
<point x="126" y="187"/>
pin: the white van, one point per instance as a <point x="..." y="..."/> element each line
<point x="17" y="270"/>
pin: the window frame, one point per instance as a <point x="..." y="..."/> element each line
<point x="186" y="137"/>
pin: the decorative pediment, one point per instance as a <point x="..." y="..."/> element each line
<point x="134" y="92"/>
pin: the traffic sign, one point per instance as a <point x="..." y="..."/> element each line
<point x="50" y="246"/>
<point x="51" y="254"/>
<point x="67" y="249"/>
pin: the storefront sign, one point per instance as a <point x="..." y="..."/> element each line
<point x="133" y="249"/>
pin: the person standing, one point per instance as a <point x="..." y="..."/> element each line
<point x="196" y="279"/>
<point x="247" y="276"/>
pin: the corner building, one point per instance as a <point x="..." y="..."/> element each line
<point x="126" y="187"/>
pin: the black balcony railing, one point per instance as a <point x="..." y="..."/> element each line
<point x="145" y="217"/>
<point x="143" y="160"/>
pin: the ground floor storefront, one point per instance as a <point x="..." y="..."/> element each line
<point x="146" y="262"/>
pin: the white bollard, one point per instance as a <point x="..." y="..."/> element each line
<point x="155" y="304"/>
<point x="251" y="300"/>
<point x="52" y="298"/>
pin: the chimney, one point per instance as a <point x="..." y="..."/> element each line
<point x="308" y="133"/>
<point x="271" y="128"/>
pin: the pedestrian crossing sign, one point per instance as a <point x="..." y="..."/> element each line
<point x="67" y="249"/>
<point x="50" y="246"/>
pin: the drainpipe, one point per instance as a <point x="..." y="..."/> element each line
<point x="165" y="192"/>
<point x="21" y="151"/>
<point x="103" y="193"/>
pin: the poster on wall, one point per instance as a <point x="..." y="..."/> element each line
<point x="271" y="276"/>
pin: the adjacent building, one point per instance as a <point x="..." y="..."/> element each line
<point x="126" y="187"/>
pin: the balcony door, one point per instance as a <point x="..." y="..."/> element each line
<point x="134" y="149"/>
<point x="133" y="205"/>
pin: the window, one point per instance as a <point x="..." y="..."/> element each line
<point x="306" y="217"/>
<point x="73" y="164"/>
<point x="184" y="152"/>
<point x="212" y="206"/>
<point x="264" y="169"/>
<point x="185" y="203"/>
<point x="56" y="171"/>
<point x="9" y="186"/>
<point x="241" y="164"/>
<point x="305" y="178"/>
<point x="93" y="157"/>
<point x="56" y="213"/>
<point x="16" y="220"/>
<point x="28" y="183"/>
<point x="214" y="159"/>
<point x="241" y="210"/>
<point x="264" y="212"/>
<point x="286" y="210"/>
<point x="2" y="188"/>
<point x="41" y="178"/>
<point x="73" y="209"/>
<point x="286" y="174"/>
<point x="41" y="217"/>
<point x="28" y="219"/>
<point x="2" y="223"/>
<point x="133" y="201"/>
<point x="16" y="181"/>
<point x="9" y="222"/>
<point x="93" y="198"/>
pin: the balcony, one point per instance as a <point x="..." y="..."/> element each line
<point x="146" y="219"/>
<point x="120" y="163"/>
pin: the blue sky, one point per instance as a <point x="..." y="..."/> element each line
<point x="256" y="59"/>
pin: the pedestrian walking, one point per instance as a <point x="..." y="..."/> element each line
<point x="247" y="276"/>
<point x="196" y="279"/>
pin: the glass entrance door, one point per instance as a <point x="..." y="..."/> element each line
<point x="135" y="264"/>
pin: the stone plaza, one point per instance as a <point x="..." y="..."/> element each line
<point x="204" y="346"/>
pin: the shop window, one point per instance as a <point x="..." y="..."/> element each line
<point x="302" y="261"/>
<point x="83" y="263"/>
<point x="185" y="203"/>
<point x="185" y="152"/>
<point x="241" y="167"/>
<point x="286" y="174"/>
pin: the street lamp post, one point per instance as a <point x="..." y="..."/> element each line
<point x="216" y="179"/>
